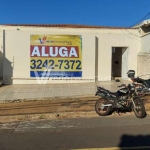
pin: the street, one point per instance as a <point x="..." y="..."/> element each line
<point x="77" y="133"/>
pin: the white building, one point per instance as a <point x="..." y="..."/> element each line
<point x="75" y="53"/>
<point x="144" y="55"/>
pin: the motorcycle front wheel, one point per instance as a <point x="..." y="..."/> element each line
<point x="139" y="108"/>
<point x="100" y="110"/>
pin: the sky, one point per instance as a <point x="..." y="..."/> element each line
<point x="119" y="13"/>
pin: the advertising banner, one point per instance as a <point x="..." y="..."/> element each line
<point x="56" y="55"/>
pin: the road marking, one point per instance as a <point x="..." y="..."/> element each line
<point x="116" y="148"/>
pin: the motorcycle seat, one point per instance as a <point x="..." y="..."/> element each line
<point x="140" y="80"/>
<point x="111" y="93"/>
<point x="143" y="81"/>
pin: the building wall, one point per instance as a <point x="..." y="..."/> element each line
<point x="144" y="55"/>
<point x="17" y="53"/>
<point x="144" y="65"/>
<point x="96" y="56"/>
<point x="106" y="42"/>
<point x="145" y="46"/>
<point x="1" y="54"/>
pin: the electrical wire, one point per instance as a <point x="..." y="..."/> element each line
<point x="132" y="33"/>
<point x="140" y="20"/>
<point x="129" y="36"/>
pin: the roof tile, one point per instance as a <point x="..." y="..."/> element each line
<point x="65" y="26"/>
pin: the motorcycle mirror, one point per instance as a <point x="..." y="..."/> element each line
<point x="117" y="80"/>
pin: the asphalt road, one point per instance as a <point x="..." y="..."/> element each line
<point x="80" y="133"/>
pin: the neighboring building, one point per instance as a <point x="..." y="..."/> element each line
<point x="144" y="55"/>
<point x="72" y="53"/>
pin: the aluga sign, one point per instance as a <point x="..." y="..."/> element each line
<point x="54" y="51"/>
<point x="61" y="53"/>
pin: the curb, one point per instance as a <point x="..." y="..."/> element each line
<point x="61" y="115"/>
<point x="50" y="98"/>
<point x="79" y="97"/>
<point x="46" y="116"/>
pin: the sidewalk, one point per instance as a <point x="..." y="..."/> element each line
<point x="12" y="93"/>
<point x="34" y="102"/>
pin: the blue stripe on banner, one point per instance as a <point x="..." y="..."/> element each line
<point x="55" y="74"/>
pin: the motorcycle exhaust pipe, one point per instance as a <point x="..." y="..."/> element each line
<point x="104" y="105"/>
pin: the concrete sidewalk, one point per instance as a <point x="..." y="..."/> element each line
<point x="9" y="93"/>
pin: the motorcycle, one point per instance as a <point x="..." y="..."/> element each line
<point x="124" y="99"/>
<point x="142" y="85"/>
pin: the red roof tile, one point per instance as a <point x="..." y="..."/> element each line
<point x="65" y="26"/>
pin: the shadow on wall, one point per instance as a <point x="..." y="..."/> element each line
<point x="1" y="65"/>
<point x="7" y="66"/>
<point x="139" y="142"/>
<point x="7" y="70"/>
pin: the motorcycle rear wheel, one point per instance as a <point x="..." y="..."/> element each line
<point x="139" y="109"/>
<point x="102" y="112"/>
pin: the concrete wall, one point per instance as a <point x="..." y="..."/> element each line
<point x="106" y="42"/>
<point x="1" y="54"/>
<point x="145" y="44"/>
<point x="96" y="57"/>
<point x="144" y="56"/>
<point x="144" y="65"/>
<point x="17" y="54"/>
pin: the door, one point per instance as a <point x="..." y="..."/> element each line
<point x="124" y="62"/>
<point x="116" y="62"/>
